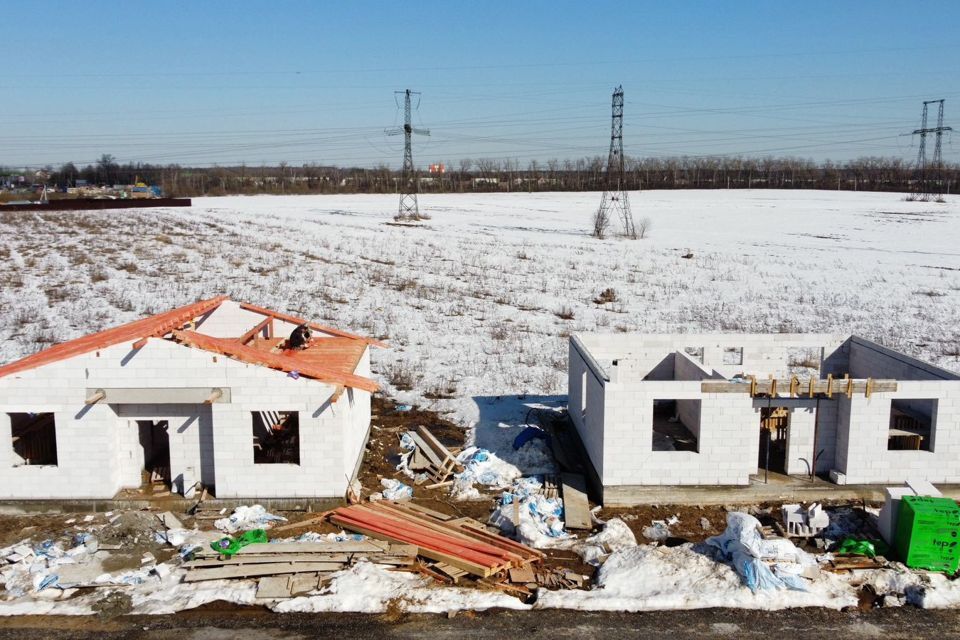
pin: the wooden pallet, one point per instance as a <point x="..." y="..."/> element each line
<point x="431" y="456"/>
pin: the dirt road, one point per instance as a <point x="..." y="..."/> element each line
<point x="250" y="624"/>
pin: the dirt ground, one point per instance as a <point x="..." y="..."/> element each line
<point x="134" y="530"/>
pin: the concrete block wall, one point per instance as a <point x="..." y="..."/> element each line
<point x="870" y="360"/>
<point x="689" y="413"/>
<point x="827" y="435"/>
<point x="86" y="452"/>
<point x="728" y="442"/>
<point x="862" y="437"/>
<point x="230" y="321"/>
<point x="763" y="354"/>
<point x="587" y="419"/>
<point x="357" y="429"/>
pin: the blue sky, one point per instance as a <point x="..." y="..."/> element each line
<point x="227" y="82"/>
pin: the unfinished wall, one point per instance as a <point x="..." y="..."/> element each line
<point x="864" y="433"/>
<point x="870" y="360"/>
<point x="728" y="439"/>
<point x="357" y="429"/>
<point x="763" y="354"/>
<point x="92" y="445"/>
<point x="585" y="382"/>
<point x="230" y="321"/>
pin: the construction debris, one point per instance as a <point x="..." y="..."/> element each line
<point x="576" y="507"/>
<point x="800" y="522"/>
<point x="287" y="558"/>
<point x="425" y="454"/>
<point x="462" y="542"/>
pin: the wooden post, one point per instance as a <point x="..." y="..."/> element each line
<point x="753" y="386"/>
<point x="773" y="387"/>
<point x="849" y="385"/>
<point x="97" y="396"/>
<point x="794" y="386"/>
<point x="810" y="392"/>
<point x="829" y="385"/>
<point x="869" y="387"/>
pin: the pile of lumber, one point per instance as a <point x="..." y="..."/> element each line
<point x="430" y="456"/>
<point x="461" y="543"/>
<point x="288" y="558"/>
<point x="550" y="578"/>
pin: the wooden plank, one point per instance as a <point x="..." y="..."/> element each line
<point x="506" y="543"/>
<point x="303" y="523"/>
<point x="437" y="515"/>
<point x="274" y="587"/>
<point x="449" y="570"/>
<point x="425" y="449"/>
<point x="576" y="507"/>
<point x="283" y="558"/>
<point x="819" y="386"/>
<point x="303" y="583"/>
<point x="466" y="565"/>
<point x="522" y="574"/>
<point x="249" y="335"/>
<point x="436" y="444"/>
<point x="443" y="528"/>
<point x="258" y="570"/>
<point x="348" y="546"/>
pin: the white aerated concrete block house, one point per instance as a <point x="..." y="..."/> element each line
<point x="213" y="394"/>
<point x="716" y="409"/>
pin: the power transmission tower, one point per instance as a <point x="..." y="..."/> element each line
<point x="615" y="202"/>
<point x="931" y="186"/>
<point x="409" y="208"/>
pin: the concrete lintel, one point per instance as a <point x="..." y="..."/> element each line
<point x="163" y="395"/>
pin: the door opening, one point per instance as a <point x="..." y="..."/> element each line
<point x="774" y="428"/>
<point x="155" y="440"/>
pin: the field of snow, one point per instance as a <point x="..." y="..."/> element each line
<point x="478" y="302"/>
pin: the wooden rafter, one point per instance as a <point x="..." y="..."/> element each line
<point x="250" y="335"/>
<point x="313" y="325"/>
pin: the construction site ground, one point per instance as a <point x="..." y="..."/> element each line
<point x="133" y="529"/>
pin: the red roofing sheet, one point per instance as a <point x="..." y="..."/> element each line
<point x="334" y="363"/>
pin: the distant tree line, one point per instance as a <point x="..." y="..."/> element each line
<point x="486" y="175"/>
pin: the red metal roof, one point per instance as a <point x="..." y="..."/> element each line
<point x="334" y="362"/>
<point x="326" y="359"/>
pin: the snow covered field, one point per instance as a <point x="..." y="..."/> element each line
<point x="478" y="303"/>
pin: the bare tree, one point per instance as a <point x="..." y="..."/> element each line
<point x="601" y="222"/>
<point x="643" y="226"/>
